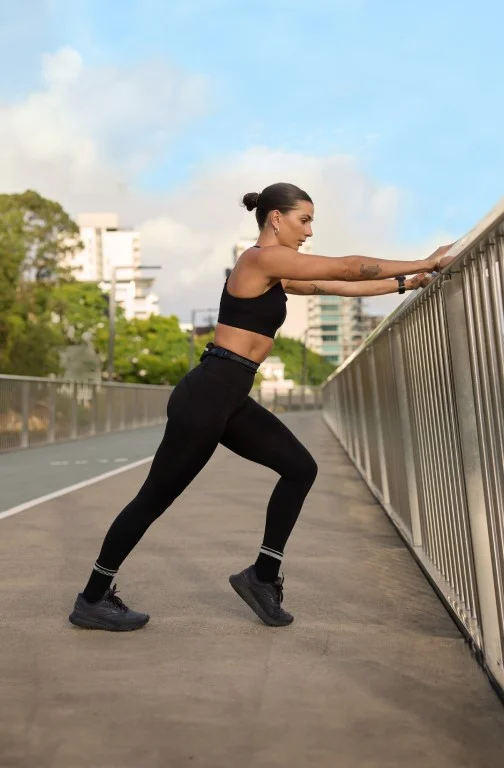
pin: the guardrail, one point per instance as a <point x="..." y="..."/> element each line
<point x="299" y="398"/>
<point x="37" y="411"/>
<point x="419" y="409"/>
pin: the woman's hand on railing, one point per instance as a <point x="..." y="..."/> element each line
<point x="421" y="280"/>
<point x="438" y="260"/>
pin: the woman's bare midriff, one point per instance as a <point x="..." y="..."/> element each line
<point x="248" y="344"/>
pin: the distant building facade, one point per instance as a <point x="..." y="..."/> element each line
<point x="106" y="246"/>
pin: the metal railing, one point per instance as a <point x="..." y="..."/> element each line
<point x="36" y="411"/>
<point x="419" y="409"/>
<point x="299" y="398"/>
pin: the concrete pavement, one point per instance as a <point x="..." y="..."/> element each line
<point x="372" y="674"/>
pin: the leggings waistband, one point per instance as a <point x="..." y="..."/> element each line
<point x="211" y="349"/>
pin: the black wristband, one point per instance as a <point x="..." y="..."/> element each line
<point x="400" y="279"/>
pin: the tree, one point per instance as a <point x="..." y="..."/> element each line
<point x="152" y="351"/>
<point x="11" y="259"/>
<point x="36" y="238"/>
<point x="79" y="310"/>
<point x="48" y="235"/>
<point x="291" y="353"/>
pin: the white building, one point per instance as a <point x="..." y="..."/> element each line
<point x="107" y="247"/>
<point x="272" y="370"/>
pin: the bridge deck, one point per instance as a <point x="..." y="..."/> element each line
<point x="372" y="673"/>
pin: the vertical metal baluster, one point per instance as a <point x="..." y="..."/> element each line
<point x="433" y="450"/>
<point x="363" y="424"/>
<point x="418" y="357"/>
<point x="416" y="439"/>
<point x="442" y="498"/>
<point x="463" y="534"/>
<point x="447" y="448"/>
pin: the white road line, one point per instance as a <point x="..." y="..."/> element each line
<point x="71" y="488"/>
<point x="102" y="461"/>
<point x="120" y="460"/>
<point x="81" y="461"/>
<point x="59" y="463"/>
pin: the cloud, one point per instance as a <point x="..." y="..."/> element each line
<point x="88" y="131"/>
<point x="62" y="67"/>
<point x="86" y="135"/>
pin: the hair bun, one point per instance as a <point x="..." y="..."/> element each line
<point x="250" y="200"/>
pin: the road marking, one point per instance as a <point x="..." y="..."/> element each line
<point x="81" y="461"/>
<point x="71" y="488"/>
<point x="59" y="463"/>
<point x="103" y="461"/>
<point x="120" y="460"/>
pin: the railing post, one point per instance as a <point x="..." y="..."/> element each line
<point x="405" y="408"/>
<point x="379" y="429"/>
<point x="25" y="414"/>
<point x="94" y="408"/>
<point x="123" y="408"/>
<point x="366" y="463"/>
<point x="51" y="431"/>
<point x="73" y="411"/>
<point x="108" y="408"/>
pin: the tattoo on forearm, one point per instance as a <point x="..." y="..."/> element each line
<point x="316" y="289"/>
<point x="370" y="272"/>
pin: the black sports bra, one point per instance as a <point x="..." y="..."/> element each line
<point x="261" y="314"/>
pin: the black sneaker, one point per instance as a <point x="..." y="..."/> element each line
<point x="108" y="613"/>
<point x="263" y="597"/>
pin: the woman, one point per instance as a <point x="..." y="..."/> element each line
<point x="252" y="308"/>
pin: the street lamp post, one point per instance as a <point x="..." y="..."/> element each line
<point x="112" y="311"/>
<point x="191" y="338"/>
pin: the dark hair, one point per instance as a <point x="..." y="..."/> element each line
<point x="277" y="197"/>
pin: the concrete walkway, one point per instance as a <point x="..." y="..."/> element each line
<point x="373" y="673"/>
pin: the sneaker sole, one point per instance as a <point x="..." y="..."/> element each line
<point x="241" y="588"/>
<point x="85" y="623"/>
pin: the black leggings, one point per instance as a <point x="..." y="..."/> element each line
<point x="210" y="405"/>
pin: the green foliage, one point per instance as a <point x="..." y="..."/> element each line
<point x="36" y="237"/>
<point x="47" y="235"/>
<point x="11" y="259"/>
<point x="290" y="351"/>
<point x="152" y="351"/>
<point x="78" y="310"/>
<point x="32" y="348"/>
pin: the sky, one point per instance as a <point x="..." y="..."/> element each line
<point x="387" y="112"/>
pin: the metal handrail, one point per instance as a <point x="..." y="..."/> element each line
<point x="419" y="409"/>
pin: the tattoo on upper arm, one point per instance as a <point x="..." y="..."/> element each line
<point x="370" y="272"/>
<point x="316" y="289"/>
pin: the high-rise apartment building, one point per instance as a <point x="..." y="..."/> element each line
<point x="335" y="326"/>
<point x="106" y="247"/>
